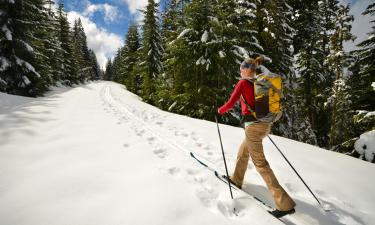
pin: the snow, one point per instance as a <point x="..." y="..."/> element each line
<point x="183" y="33"/>
<point x="4" y="63"/>
<point x="365" y="145"/>
<point x="28" y="47"/>
<point x="96" y="154"/>
<point x="373" y="85"/>
<point x="201" y="61"/>
<point x="7" y="32"/>
<point x="22" y="62"/>
<point x="204" y="36"/>
<point x="222" y="54"/>
<point x="26" y="80"/>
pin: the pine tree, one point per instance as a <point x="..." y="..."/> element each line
<point x="362" y="82"/>
<point x="81" y="52"/>
<point x="130" y="58"/>
<point x="338" y="60"/>
<point x="53" y="51"/>
<point x="189" y="65"/>
<point x="151" y="51"/>
<point x="18" y="74"/>
<point x="108" y="75"/>
<point x="116" y="67"/>
<point x="309" y="60"/>
<point x="274" y="24"/>
<point x="96" y="72"/>
<point x="69" y="63"/>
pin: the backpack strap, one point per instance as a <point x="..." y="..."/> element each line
<point x="247" y="104"/>
<point x="244" y="100"/>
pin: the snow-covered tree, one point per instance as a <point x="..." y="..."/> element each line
<point x="81" y="52"/>
<point x="130" y="59"/>
<point x="69" y="63"/>
<point x="337" y="61"/>
<point x="308" y="54"/>
<point x="362" y="82"/>
<point x="18" y="74"/>
<point x="108" y="75"/>
<point x="96" y="71"/>
<point x="151" y="51"/>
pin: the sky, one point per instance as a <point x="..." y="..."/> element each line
<point x="106" y="22"/>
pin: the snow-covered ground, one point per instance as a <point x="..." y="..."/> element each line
<point x="96" y="154"/>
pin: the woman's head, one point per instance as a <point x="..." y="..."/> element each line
<point x="249" y="66"/>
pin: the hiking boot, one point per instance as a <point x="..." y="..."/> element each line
<point x="232" y="182"/>
<point x="277" y="213"/>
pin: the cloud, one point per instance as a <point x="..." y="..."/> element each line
<point x="361" y="24"/>
<point x="135" y="5"/>
<point x="111" y="13"/>
<point x="102" y="42"/>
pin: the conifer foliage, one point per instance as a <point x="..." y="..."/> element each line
<point x="185" y="59"/>
<point x="38" y="49"/>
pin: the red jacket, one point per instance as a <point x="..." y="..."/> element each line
<point x="244" y="88"/>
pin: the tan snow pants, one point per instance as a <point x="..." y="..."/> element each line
<point x="252" y="147"/>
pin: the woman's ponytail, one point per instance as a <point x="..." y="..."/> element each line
<point x="255" y="62"/>
<point x="258" y="61"/>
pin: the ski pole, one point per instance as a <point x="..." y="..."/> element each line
<point x="296" y="172"/>
<point x="225" y="163"/>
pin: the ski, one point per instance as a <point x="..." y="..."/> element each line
<point x="224" y="180"/>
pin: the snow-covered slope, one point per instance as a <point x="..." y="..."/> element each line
<point x="96" y="154"/>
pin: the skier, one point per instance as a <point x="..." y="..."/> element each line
<point x="252" y="146"/>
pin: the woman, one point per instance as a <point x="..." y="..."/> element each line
<point x="252" y="146"/>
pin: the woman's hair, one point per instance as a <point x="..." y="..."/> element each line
<point x="257" y="62"/>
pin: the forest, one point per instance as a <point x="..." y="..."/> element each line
<point x="185" y="57"/>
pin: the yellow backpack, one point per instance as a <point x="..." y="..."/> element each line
<point x="268" y="96"/>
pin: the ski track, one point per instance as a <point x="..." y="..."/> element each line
<point x="161" y="148"/>
<point x="144" y="124"/>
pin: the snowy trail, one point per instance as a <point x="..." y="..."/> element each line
<point x="153" y="121"/>
<point x="96" y="154"/>
<point x="149" y="125"/>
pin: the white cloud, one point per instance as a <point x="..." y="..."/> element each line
<point x="111" y="13"/>
<point x="102" y="42"/>
<point x="135" y="5"/>
<point x="361" y="25"/>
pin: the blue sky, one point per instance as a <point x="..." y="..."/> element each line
<point x="106" y="22"/>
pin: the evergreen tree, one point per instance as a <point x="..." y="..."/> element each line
<point x="274" y="25"/>
<point x="53" y="49"/>
<point x="96" y="72"/>
<point x="362" y="83"/>
<point x="191" y="56"/>
<point x="82" y="53"/>
<point x="69" y="63"/>
<point x="338" y="60"/>
<point x="309" y="60"/>
<point x="42" y="39"/>
<point x="18" y="74"/>
<point x="203" y="56"/>
<point x="151" y="51"/>
<point x="116" y="67"/>
<point x="130" y="59"/>
<point x="108" y="75"/>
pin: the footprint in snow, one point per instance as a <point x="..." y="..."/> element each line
<point x="174" y="171"/>
<point x="207" y="198"/>
<point x="191" y="172"/>
<point x="140" y="132"/>
<point x="161" y="153"/>
<point x="150" y="139"/>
